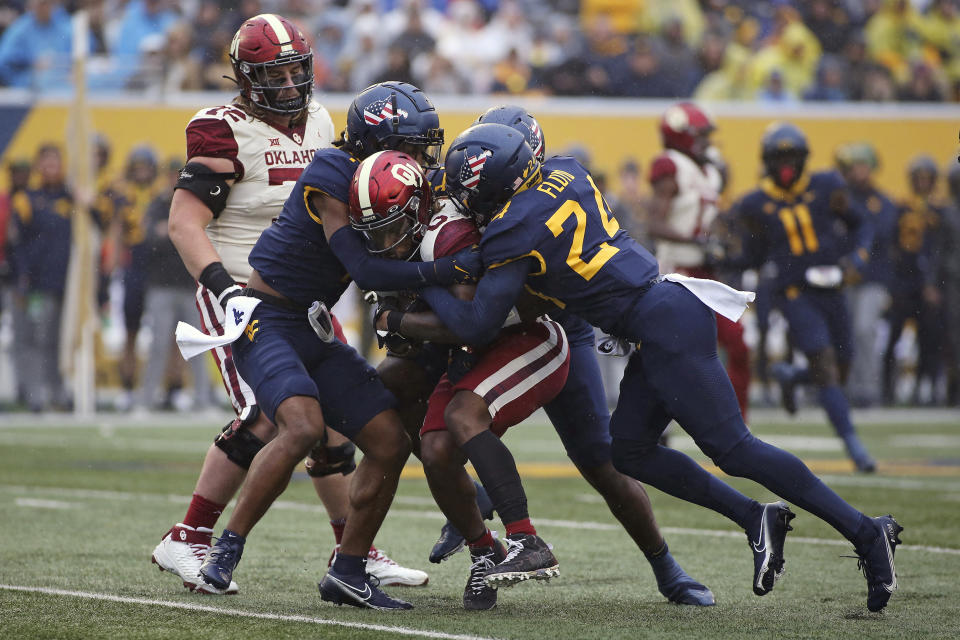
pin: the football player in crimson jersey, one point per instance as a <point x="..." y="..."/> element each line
<point x="791" y="220"/>
<point x="305" y="380"/>
<point x="474" y="402"/>
<point x="580" y="416"/>
<point x="243" y="160"/>
<point x="686" y="187"/>
<point x="549" y="230"/>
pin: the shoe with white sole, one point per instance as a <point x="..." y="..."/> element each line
<point x="388" y="572"/>
<point x="181" y="552"/>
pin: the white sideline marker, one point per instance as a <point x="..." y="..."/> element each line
<point x="405" y="631"/>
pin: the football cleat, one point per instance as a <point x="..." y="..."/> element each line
<point x="478" y="595"/>
<point x="528" y="558"/>
<point x="678" y="587"/>
<point x="766" y="542"/>
<point x="784" y="375"/>
<point x="451" y="541"/>
<point x="217" y="568"/>
<point x="181" y="551"/>
<point x="357" y="591"/>
<point x="388" y="572"/>
<point x="876" y="562"/>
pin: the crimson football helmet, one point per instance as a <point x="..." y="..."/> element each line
<point x="267" y="41"/>
<point x="390" y="202"/>
<point x="686" y="128"/>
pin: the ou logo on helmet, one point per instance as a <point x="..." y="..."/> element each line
<point x="407" y="174"/>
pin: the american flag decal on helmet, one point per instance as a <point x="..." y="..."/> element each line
<point x="380" y="111"/>
<point x="538" y="136"/>
<point x="470" y="173"/>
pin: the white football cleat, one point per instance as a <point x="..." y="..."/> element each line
<point x="388" y="572"/>
<point x="181" y="552"/>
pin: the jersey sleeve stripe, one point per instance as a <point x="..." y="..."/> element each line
<point x="307" y="192"/>
<point x="532" y="254"/>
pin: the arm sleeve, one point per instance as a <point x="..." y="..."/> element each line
<point x="478" y="321"/>
<point x="378" y="274"/>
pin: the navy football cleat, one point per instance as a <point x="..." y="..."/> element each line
<point x="222" y="559"/>
<point x="357" y="591"/>
<point x="528" y="558"/>
<point x="449" y="543"/>
<point x="676" y="586"/>
<point x="876" y="562"/>
<point x="766" y="542"/>
<point x="478" y="595"/>
<point x="783" y="373"/>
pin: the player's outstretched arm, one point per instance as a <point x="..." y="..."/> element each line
<point x="478" y="321"/>
<point x="381" y="274"/>
<point x="425" y="326"/>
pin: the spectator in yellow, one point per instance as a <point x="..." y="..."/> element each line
<point x="730" y="82"/>
<point x="894" y="36"/>
<point x="794" y="53"/>
<point x="941" y="30"/>
<point x="622" y="14"/>
<point x="659" y="12"/>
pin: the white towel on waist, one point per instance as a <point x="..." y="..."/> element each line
<point x="192" y="341"/>
<point x="727" y="301"/>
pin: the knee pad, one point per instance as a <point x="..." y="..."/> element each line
<point x="236" y="440"/>
<point x="327" y="461"/>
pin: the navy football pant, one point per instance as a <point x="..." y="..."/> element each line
<point x="677" y="374"/>
<point x="579" y="412"/>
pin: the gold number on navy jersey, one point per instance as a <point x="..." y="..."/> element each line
<point x="798" y="224"/>
<point x="586" y="268"/>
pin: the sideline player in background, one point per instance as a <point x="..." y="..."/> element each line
<point x="243" y="160"/>
<point x="916" y="287"/>
<point x="686" y="190"/>
<point x="791" y="221"/>
<point x="550" y="231"/>
<point x="869" y="298"/>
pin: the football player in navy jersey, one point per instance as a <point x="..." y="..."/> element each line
<point x="303" y="378"/>
<point x="549" y="231"/>
<point x="580" y="416"/>
<point x="791" y="221"/>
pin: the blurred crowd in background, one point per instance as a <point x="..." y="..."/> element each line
<point x="905" y="306"/>
<point x="770" y="50"/>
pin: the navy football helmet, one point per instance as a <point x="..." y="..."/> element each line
<point x="784" y="151"/>
<point x="388" y="115"/>
<point x="522" y="121"/>
<point x="485" y="166"/>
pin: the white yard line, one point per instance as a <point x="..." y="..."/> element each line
<point x="405" y="631"/>
<point x="45" y="504"/>
<point x="432" y="514"/>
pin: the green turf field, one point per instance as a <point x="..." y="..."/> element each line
<point x="81" y="507"/>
